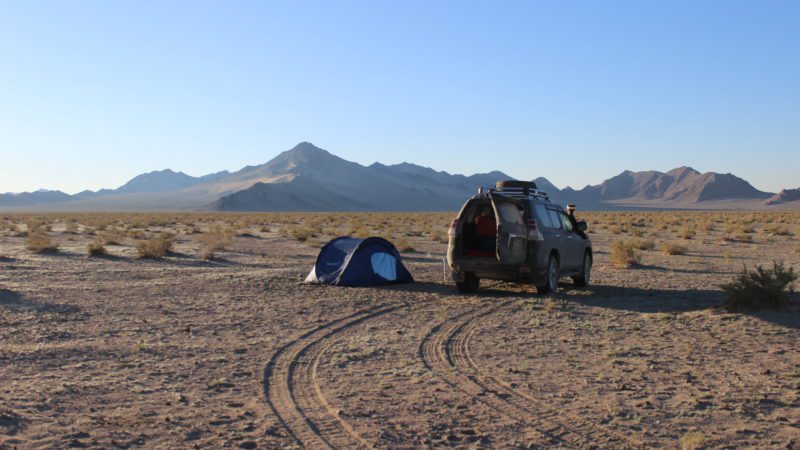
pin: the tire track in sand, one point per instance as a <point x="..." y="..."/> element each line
<point x="295" y="396"/>
<point x="445" y="350"/>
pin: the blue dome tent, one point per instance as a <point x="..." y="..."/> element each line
<point x="348" y="261"/>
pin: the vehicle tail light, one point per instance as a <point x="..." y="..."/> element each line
<point x="453" y="228"/>
<point x="533" y="231"/>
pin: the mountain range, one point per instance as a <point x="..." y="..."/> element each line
<point x="307" y="178"/>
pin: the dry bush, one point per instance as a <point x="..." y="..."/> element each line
<point x="760" y="288"/>
<point x="777" y="231"/>
<point x="615" y="229"/>
<point x="112" y="236"/>
<point x="687" y="232"/>
<point x="96" y="247"/>
<point x="300" y="233"/>
<point x="693" y="440"/>
<point x="642" y="244"/>
<point x="673" y="249"/>
<point x="39" y="242"/>
<point x="403" y="245"/>
<point x="623" y="254"/>
<point x="71" y="228"/>
<point x="439" y="235"/>
<point x="155" y="247"/>
<point x="215" y="239"/>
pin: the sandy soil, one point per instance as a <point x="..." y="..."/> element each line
<point x="119" y="352"/>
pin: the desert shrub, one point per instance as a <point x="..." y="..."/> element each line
<point x="673" y="249"/>
<point x="215" y="239"/>
<point x="39" y="242"/>
<point x="623" y="254"/>
<point x="403" y="245"/>
<point x="112" y="236"/>
<point x="300" y="233"/>
<point x="777" y="231"/>
<point x="642" y="244"/>
<point x="71" y="228"/>
<point x="615" y="229"/>
<point x="693" y="440"/>
<point x="155" y="247"/>
<point x="439" y="234"/>
<point x="760" y="288"/>
<point x="743" y="237"/>
<point x="636" y="232"/>
<point x="686" y="232"/>
<point x="96" y="247"/>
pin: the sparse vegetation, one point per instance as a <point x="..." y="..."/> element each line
<point x="403" y="245"/>
<point x="760" y="288"/>
<point x="112" y="236"/>
<point x="39" y="242"/>
<point x="96" y="248"/>
<point x="642" y="244"/>
<point x="673" y="249"/>
<point x="214" y="240"/>
<point x="687" y="232"/>
<point x="693" y="440"/>
<point x="155" y="247"/>
<point x="623" y="254"/>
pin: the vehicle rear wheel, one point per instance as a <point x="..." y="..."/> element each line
<point x="551" y="277"/>
<point x="582" y="280"/>
<point x="469" y="285"/>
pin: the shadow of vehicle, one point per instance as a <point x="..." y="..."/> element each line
<point x="15" y="302"/>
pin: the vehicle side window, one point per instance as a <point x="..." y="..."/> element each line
<point x="554" y="219"/>
<point x="509" y="213"/>
<point x="565" y="220"/>
<point x="541" y="216"/>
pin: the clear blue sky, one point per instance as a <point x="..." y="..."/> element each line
<point x="95" y="92"/>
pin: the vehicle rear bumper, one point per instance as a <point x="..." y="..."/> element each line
<point x="495" y="271"/>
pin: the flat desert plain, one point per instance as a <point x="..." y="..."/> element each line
<point x="233" y="350"/>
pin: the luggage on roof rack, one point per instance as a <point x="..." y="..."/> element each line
<point x="518" y="189"/>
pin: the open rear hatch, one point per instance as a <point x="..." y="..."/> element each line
<point x="512" y="231"/>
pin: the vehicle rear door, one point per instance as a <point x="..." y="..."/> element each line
<point x="512" y="232"/>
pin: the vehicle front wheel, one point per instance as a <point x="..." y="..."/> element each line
<point x="551" y="277"/>
<point x="582" y="280"/>
<point x="469" y="285"/>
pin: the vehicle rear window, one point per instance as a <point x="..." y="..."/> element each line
<point x="541" y="216"/>
<point x="509" y="213"/>
<point x="554" y="219"/>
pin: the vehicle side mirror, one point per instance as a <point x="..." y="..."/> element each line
<point x="582" y="226"/>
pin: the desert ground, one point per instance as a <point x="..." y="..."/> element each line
<point x="220" y="344"/>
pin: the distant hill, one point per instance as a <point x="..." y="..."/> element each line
<point x="308" y="178"/>
<point x="33" y="198"/>
<point x="314" y="179"/>
<point x="784" y="196"/>
<point x="681" y="186"/>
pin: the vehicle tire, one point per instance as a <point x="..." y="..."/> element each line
<point x="582" y="280"/>
<point x="551" y="277"/>
<point x="469" y="285"/>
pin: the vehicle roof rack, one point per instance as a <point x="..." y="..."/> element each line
<point x="517" y="190"/>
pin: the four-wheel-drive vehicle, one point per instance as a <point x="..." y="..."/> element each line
<point x="514" y="232"/>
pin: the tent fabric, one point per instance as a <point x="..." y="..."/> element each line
<point x="348" y="261"/>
